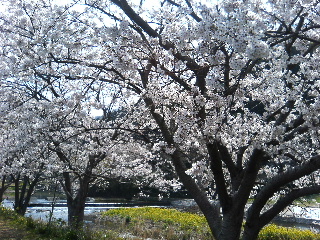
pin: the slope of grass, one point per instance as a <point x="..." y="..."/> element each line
<point x="10" y="231"/>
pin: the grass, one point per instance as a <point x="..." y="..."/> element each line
<point x="171" y="224"/>
<point x="14" y="226"/>
<point x="10" y="231"/>
<point x="311" y="201"/>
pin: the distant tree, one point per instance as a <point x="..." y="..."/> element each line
<point x="87" y="150"/>
<point x="24" y="158"/>
<point x="57" y="137"/>
<point x="5" y="184"/>
<point x="193" y="71"/>
<point x="24" y="187"/>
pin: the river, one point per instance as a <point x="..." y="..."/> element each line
<point x="40" y="209"/>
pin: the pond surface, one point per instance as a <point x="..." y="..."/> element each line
<point x="40" y="209"/>
<point x="300" y="217"/>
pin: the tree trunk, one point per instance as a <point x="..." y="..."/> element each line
<point x="253" y="224"/>
<point x="229" y="231"/>
<point x="251" y="233"/>
<point x="76" y="212"/>
<point x="2" y="190"/>
<point x="231" y="225"/>
<point x="16" y="193"/>
<point x="76" y="204"/>
<point x="3" y="187"/>
<point x="23" y="195"/>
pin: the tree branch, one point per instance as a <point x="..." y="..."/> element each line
<point x="283" y="116"/>
<point x="285" y="201"/>
<point x="211" y="212"/>
<point x="192" y="14"/>
<point x="123" y="4"/>
<point x="217" y="170"/>
<point x="250" y="174"/>
<point x="231" y="166"/>
<point x="280" y="180"/>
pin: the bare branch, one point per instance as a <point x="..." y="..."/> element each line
<point x="274" y="184"/>
<point x="285" y="201"/>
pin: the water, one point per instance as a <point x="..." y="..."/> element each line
<point x="61" y="213"/>
<point x="300" y="217"/>
<point x="40" y="209"/>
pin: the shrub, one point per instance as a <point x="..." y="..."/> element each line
<point x="30" y="223"/>
<point x="187" y="221"/>
<point x="275" y="232"/>
<point x="159" y="222"/>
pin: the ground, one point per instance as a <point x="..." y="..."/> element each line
<point x="11" y="232"/>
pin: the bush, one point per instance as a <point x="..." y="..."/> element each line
<point x="187" y="221"/>
<point x="30" y="224"/>
<point x="275" y="232"/>
<point x="148" y="222"/>
<point x="171" y="224"/>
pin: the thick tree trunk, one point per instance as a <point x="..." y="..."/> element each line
<point x="229" y="231"/>
<point x="251" y="233"/>
<point x="253" y="224"/>
<point x="76" y="204"/>
<point x="76" y="212"/>
<point x="231" y="224"/>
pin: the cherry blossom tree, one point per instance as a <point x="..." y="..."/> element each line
<point x="56" y="137"/>
<point x="88" y="151"/>
<point x="231" y="88"/>
<point x="23" y="157"/>
<point x="6" y="179"/>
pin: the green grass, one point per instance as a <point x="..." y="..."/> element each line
<point x="309" y="201"/>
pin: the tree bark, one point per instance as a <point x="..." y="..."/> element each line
<point x="231" y="225"/>
<point x="76" y="205"/>
<point x="2" y="190"/>
<point x="1" y="194"/>
<point x="76" y="212"/>
<point x="251" y="233"/>
<point x="4" y="187"/>
<point x="23" y="196"/>
<point x="76" y="202"/>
